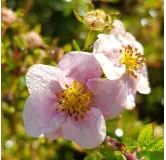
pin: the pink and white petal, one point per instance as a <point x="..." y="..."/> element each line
<point x="118" y="27"/>
<point x="80" y="66"/>
<point x="38" y="111"/>
<point x="108" y="46"/>
<point x="89" y="132"/>
<point x="111" y="71"/>
<point x="125" y="38"/>
<point x="54" y="135"/>
<point x="131" y="87"/>
<point x="32" y="128"/>
<point x="58" y="120"/>
<point x="130" y="101"/>
<point x="44" y="77"/>
<point x="139" y="46"/>
<point x="129" y="36"/>
<point x="143" y="83"/>
<point x="109" y="96"/>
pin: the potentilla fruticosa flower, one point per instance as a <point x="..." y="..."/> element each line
<point x="121" y="56"/>
<point x="8" y="16"/>
<point x="34" y="40"/>
<point x="71" y="100"/>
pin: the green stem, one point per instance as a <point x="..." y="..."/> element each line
<point x="88" y="40"/>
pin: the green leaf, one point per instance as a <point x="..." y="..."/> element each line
<point x="118" y="155"/>
<point x="76" y="46"/>
<point x="108" y="153"/>
<point x="151" y="155"/>
<point x="20" y="12"/>
<point x="93" y="156"/>
<point x="37" y="28"/>
<point x="145" y="136"/>
<point x="90" y="6"/>
<point x="77" y="16"/>
<point x="156" y="144"/>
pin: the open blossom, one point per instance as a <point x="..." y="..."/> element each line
<point x="72" y="101"/>
<point x="121" y="56"/>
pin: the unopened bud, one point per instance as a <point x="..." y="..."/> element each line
<point x="8" y="16"/>
<point x="95" y="19"/>
<point x="34" y="40"/>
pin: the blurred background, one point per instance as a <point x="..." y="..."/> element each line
<point x="42" y="32"/>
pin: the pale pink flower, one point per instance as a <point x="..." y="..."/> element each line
<point x="121" y="56"/>
<point x="71" y="101"/>
<point x="8" y="16"/>
<point x="34" y="40"/>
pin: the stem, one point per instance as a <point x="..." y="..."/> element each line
<point x="117" y="145"/>
<point x="88" y="40"/>
<point x="27" y="7"/>
<point x="3" y="3"/>
<point x="3" y="31"/>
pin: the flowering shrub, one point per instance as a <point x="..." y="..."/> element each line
<point x="78" y="93"/>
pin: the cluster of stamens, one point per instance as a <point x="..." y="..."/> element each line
<point x="76" y="100"/>
<point x="132" y="59"/>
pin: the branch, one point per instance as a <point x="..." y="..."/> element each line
<point x="27" y="7"/>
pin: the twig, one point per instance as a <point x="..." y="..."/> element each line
<point x="27" y="7"/>
<point x="3" y="31"/>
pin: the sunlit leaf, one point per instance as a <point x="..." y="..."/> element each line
<point x="108" y="153"/>
<point x="37" y="28"/>
<point x="90" y="6"/>
<point x="77" y="16"/>
<point x="145" y="135"/>
<point x="156" y="144"/>
<point x="151" y="155"/>
<point x="76" y="46"/>
<point x="93" y="156"/>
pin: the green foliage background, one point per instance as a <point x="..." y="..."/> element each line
<point x="55" y="22"/>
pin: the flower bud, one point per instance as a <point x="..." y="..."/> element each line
<point x="8" y="16"/>
<point x="34" y="40"/>
<point x="95" y="19"/>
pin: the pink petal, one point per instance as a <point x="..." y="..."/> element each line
<point x="32" y="128"/>
<point x="109" y="96"/>
<point x="143" y="83"/>
<point x="130" y="101"/>
<point x="106" y="51"/>
<point x="125" y="38"/>
<point x="39" y="110"/>
<point x="108" y="46"/>
<point x="129" y="36"/>
<point x="118" y="27"/>
<point x="80" y="66"/>
<point x="58" y="120"/>
<point x="130" y="83"/>
<point x="111" y="71"/>
<point x="89" y="132"/>
<point x="54" y="135"/>
<point x="43" y="77"/>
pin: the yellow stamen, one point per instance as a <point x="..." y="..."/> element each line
<point x="132" y="59"/>
<point x="76" y="100"/>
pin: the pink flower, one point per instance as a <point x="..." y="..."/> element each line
<point x="8" y="16"/>
<point x="121" y="56"/>
<point x="71" y="101"/>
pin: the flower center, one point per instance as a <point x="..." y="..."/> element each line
<point x="75" y="100"/>
<point x="132" y="59"/>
